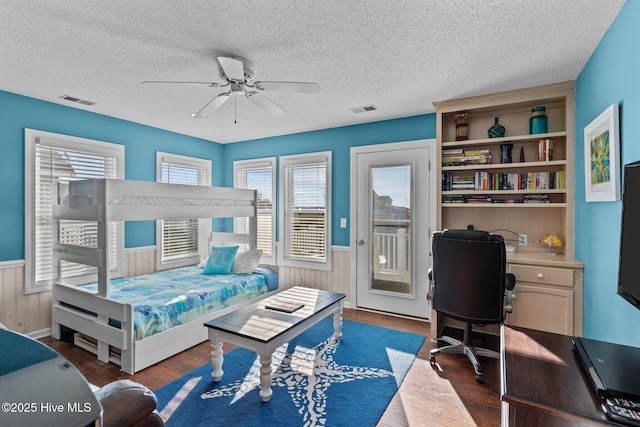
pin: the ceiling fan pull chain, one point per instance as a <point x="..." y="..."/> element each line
<point x="235" y="110"/>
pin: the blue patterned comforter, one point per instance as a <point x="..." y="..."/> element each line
<point x="173" y="297"/>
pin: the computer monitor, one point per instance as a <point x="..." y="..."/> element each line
<point x="629" y="266"/>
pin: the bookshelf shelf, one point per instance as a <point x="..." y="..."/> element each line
<point x="503" y="192"/>
<point x="507" y="139"/>
<point x="504" y="205"/>
<point x="506" y="166"/>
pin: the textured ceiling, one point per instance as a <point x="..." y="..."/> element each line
<point x="398" y="55"/>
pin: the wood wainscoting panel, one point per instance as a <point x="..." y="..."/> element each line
<point x="336" y="280"/>
<point x="139" y="261"/>
<point x="30" y="314"/>
<point x="27" y="314"/>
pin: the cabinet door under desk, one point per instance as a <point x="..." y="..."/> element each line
<point x="548" y="293"/>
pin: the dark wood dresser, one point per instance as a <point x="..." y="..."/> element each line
<point x="543" y="382"/>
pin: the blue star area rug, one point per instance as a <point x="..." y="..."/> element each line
<point x="317" y="381"/>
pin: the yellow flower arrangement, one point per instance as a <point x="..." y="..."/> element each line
<point x="551" y="242"/>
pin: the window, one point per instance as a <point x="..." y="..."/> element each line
<point x="306" y="210"/>
<point x="181" y="241"/>
<point x="258" y="175"/>
<point x="53" y="158"/>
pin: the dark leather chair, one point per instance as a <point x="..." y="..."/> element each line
<point x="126" y="403"/>
<point x="469" y="283"/>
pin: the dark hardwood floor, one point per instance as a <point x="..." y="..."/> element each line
<point x="445" y="395"/>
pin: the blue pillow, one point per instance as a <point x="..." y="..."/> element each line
<point x="220" y="260"/>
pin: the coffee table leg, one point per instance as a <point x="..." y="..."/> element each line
<point x="266" y="375"/>
<point x="337" y="324"/>
<point x="216" y="360"/>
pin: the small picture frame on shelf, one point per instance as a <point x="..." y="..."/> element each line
<point x="602" y="157"/>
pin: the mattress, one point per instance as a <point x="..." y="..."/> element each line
<point x="169" y="298"/>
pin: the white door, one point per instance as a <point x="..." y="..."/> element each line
<point x="392" y="189"/>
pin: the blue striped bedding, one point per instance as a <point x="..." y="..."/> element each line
<point x="173" y="297"/>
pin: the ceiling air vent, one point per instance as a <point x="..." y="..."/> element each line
<point x="77" y="100"/>
<point x="364" y="109"/>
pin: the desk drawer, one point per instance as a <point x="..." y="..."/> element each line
<point x="542" y="275"/>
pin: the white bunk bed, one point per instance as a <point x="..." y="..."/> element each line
<point x="105" y="200"/>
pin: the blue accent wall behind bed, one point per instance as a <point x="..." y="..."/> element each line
<point x="140" y="141"/>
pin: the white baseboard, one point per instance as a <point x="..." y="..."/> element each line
<point x="42" y="333"/>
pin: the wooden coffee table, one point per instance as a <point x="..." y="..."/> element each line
<point x="263" y="330"/>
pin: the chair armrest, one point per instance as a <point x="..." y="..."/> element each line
<point x="508" y="300"/>
<point x="431" y="288"/>
<point x="125" y="402"/>
<point x="510" y="281"/>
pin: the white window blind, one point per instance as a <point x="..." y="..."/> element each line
<point x="306" y="207"/>
<point x="258" y="175"/>
<point x="64" y="161"/>
<point x="180" y="238"/>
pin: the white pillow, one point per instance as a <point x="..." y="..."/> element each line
<point x="247" y="261"/>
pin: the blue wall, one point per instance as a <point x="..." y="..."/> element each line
<point x="141" y="142"/>
<point x="338" y="141"/>
<point x="610" y="77"/>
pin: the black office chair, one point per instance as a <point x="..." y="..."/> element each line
<point x="469" y="283"/>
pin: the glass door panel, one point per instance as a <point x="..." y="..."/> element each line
<point x="390" y="219"/>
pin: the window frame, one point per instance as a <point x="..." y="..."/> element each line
<point x="32" y="138"/>
<point x="261" y="163"/>
<point x="287" y="162"/>
<point x="204" y="224"/>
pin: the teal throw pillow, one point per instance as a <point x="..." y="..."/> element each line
<point x="220" y="260"/>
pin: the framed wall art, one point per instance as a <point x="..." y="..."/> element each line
<point x="602" y="157"/>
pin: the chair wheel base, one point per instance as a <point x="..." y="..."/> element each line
<point x="432" y="360"/>
<point x="480" y="378"/>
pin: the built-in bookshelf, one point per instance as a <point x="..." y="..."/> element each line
<point x="532" y="194"/>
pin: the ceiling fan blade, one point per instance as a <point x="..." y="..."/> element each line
<point x="265" y="103"/>
<point x="213" y="105"/>
<point x="301" y="87"/>
<point x="232" y="67"/>
<point x="210" y="84"/>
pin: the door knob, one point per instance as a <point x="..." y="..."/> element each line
<point x="360" y="242"/>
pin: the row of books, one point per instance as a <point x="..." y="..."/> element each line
<point x="479" y="156"/>
<point x="459" y="182"/>
<point x="529" y="198"/>
<point x="460" y="157"/>
<point x="483" y="180"/>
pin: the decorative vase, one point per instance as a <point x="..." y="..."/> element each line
<point x="521" y="154"/>
<point x="462" y="126"/>
<point x="497" y="130"/>
<point x="538" y="121"/>
<point x="505" y="153"/>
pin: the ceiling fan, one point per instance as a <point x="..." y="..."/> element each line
<point x="237" y="74"/>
